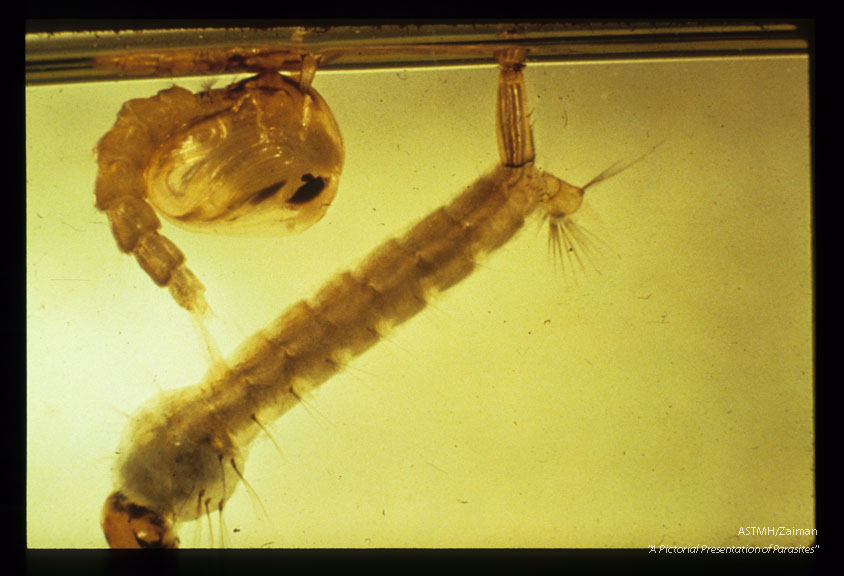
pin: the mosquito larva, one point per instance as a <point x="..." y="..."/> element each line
<point x="174" y="447"/>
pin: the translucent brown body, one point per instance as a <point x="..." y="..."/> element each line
<point x="186" y="451"/>
<point x="262" y="156"/>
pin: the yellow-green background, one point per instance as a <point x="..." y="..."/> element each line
<point x="661" y="394"/>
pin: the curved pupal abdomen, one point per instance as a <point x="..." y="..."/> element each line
<point x="268" y="163"/>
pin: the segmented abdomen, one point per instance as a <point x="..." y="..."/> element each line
<point x="313" y="339"/>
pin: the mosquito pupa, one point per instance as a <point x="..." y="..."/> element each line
<point x="262" y="156"/>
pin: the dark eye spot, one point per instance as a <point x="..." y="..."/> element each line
<point x="312" y="187"/>
<point x="267" y="192"/>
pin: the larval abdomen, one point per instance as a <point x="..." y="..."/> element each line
<point x="315" y="338"/>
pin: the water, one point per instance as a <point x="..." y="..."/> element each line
<point x="666" y="398"/>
